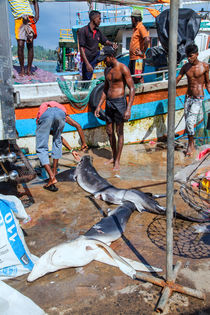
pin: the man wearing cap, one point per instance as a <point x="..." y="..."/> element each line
<point x="117" y="76"/>
<point x="89" y="38"/>
<point x="139" y="43"/>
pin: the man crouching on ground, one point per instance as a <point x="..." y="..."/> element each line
<point x="117" y="76"/>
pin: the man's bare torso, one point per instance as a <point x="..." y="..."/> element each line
<point x="196" y="78"/>
<point x="116" y="81"/>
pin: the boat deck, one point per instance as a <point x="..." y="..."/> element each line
<point x="99" y="288"/>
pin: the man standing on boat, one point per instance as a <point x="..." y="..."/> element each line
<point x="117" y="76"/>
<point x="25" y="29"/>
<point x="197" y="73"/>
<point x="139" y="43"/>
<point x="89" y="38"/>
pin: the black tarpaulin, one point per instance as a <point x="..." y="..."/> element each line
<point x="188" y="27"/>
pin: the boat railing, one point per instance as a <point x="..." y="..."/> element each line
<point x="121" y="14"/>
<point x="83" y="86"/>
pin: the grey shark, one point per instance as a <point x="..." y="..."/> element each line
<point x="88" y="178"/>
<point x="111" y="228"/>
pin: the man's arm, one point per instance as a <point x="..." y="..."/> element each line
<point x="105" y="41"/>
<point x="130" y="84"/>
<point x="207" y="81"/>
<point x="146" y="42"/>
<point x="88" y="65"/>
<point x="36" y="9"/>
<point x="180" y="75"/>
<point x="82" y="45"/>
<point x="114" y="45"/>
<point x="103" y="98"/>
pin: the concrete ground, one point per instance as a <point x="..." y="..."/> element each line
<point x="99" y="288"/>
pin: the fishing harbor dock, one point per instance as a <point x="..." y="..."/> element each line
<point x="99" y="288"/>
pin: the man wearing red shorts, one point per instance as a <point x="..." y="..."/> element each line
<point x="25" y="29"/>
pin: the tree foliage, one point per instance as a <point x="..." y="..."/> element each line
<point x="40" y="53"/>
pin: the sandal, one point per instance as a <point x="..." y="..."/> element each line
<point x="51" y="187"/>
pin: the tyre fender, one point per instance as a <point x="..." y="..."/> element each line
<point x="95" y="98"/>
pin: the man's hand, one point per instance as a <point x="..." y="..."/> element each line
<point x="89" y="67"/>
<point x="139" y="53"/>
<point x="76" y="155"/>
<point x="36" y="18"/>
<point x="127" y="114"/>
<point x="25" y="19"/>
<point x="114" y="45"/>
<point x="97" y="114"/>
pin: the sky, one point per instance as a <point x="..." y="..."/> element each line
<point x="54" y="16"/>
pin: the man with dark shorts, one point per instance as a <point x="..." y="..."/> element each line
<point x="89" y="38"/>
<point x="117" y="76"/>
<point x="197" y="73"/>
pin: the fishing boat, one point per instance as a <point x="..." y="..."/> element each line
<point x="149" y="111"/>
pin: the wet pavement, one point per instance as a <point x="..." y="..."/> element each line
<point x="99" y="288"/>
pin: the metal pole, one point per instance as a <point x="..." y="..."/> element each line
<point x="7" y="110"/>
<point x="64" y="58"/>
<point x="173" y="27"/>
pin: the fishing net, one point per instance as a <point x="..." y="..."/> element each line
<point x="78" y="92"/>
<point x="196" y="190"/>
<point x="202" y="134"/>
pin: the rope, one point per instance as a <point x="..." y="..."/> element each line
<point x="66" y="87"/>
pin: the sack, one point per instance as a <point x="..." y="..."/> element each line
<point x="13" y="302"/>
<point x="15" y="258"/>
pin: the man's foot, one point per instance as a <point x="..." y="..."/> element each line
<point x="189" y="151"/>
<point x="84" y="148"/>
<point x="109" y="162"/>
<point x="28" y="72"/>
<point x="51" y="182"/>
<point x="116" y="167"/>
<point x="22" y="73"/>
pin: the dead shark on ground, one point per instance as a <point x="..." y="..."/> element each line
<point x="93" y="245"/>
<point x="88" y="178"/>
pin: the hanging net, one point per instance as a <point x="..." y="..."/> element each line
<point x="78" y="92"/>
<point x="196" y="190"/>
<point x="202" y="134"/>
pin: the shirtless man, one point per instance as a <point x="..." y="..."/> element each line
<point x="117" y="75"/>
<point x="197" y="73"/>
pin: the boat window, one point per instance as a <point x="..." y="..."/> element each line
<point x="128" y="40"/>
<point x="154" y="41"/>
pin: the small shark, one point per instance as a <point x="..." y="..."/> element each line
<point x="93" y="245"/>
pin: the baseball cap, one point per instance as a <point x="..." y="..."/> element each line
<point x="106" y="52"/>
<point x="136" y="13"/>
